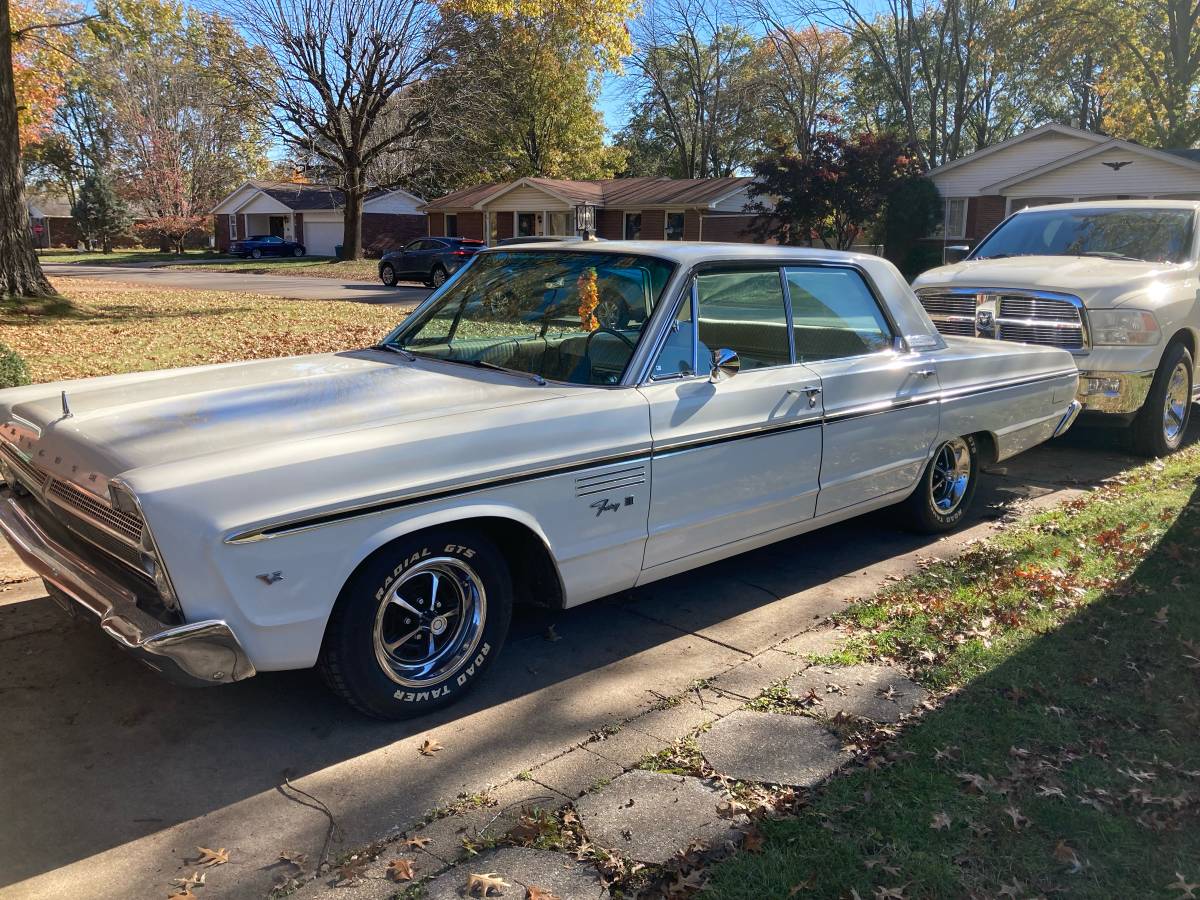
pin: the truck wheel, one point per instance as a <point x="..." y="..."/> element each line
<point x="417" y="626"/>
<point x="946" y="488"/>
<point x="1162" y="422"/>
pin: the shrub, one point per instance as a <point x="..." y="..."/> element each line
<point x="13" y="371"/>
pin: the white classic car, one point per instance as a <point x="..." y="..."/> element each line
<point x="1113" y="282"/>
<point x="551" y="426"/>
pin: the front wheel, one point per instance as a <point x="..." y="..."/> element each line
<point x="1160" y="426"/>
<point x="256" y="253"/>
<point x="418" y="624"/>
<point x="946" y="488"/>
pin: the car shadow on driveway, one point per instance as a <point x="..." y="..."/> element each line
<point x="99" y="753"/>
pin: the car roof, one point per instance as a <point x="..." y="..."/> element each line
<point x="1115" y="204"/>
<point x="692" y="252"/>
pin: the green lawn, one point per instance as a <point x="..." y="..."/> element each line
<point x="119" y="257"/>
<point x="1065" y="758"/>
<point x="305" y="266"/>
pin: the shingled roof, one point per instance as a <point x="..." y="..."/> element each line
<point x="614" y="192"/>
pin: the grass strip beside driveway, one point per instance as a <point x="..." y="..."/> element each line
<point x="105" y="328"/>
<point x="120" y="257"/>
<point x="1065" y="759"/>
<point x="302" y="267"/>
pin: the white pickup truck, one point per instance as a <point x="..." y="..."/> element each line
<point x="1113" y="282"/>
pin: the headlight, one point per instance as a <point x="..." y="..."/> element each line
<point x="1123" y="327"/>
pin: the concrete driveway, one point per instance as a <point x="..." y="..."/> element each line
<point x="296" y="288"/>
<point x="112" y="777"/>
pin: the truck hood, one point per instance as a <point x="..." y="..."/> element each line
<point x="122" y="422"/>
<point x="1094" y="280"/>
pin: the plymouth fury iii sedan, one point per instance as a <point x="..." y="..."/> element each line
<point x="552" y="425"/>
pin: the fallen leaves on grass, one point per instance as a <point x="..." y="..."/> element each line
<point x="752" y="842"/>
<point x="429" y="747"/>
<point x="401" y="870"/>
<point x="1018" y="820"/>
<point x="1066" y="855"/>
<point x="940" y="822"/>
<point x="483" y="885"/>
<point x="1181" y="884"/>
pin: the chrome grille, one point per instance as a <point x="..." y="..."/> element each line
<point x="1046" y="308"/>
<point x="1030" y="317"/>
<point x="78" y="504"/>
<point x="91" y="507"/>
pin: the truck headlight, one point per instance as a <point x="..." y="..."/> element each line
<point x="1123" y="327"/>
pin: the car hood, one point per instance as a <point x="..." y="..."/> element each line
<point x="1092" y="279"/>
<point x="123" y="422"/>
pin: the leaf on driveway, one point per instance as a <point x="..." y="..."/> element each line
<point x="416" y="842"/>
<point x="401" y="870"/>
<point x="212" y="857"/>
<point x="533" y="892"/>
<point x="429" y="747"/>
<point x="483" y="885"/>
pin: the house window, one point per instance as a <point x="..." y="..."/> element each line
<point x="233" y="228"/>
<point x="633" y="226"/>
<point x="493" y="223"/>
<point x="954" y="219"/>
<point x="526" y="224"/>
<point x="451" y="225"/>
<point x="674" y="231"/>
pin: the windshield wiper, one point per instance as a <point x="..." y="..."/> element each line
<point x="484" y="364"/>
<point x="392" y="348"/>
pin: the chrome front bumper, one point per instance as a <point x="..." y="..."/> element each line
<point x="1068" y="418"/>
<point x="1114" y="392"/>
<point x="198" y="653"/>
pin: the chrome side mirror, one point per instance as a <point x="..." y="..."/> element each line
<point x="955" y="253"/>
<point x="725" y="364"/>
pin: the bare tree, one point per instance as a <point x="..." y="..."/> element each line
<point x="340" y="65"/>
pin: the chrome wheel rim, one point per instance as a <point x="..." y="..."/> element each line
<point x="389" y="275"/>
<point x="439" y="278"/>
<point x="1175" y="408"/>
<point x="429" y="621"/>
<point x="951" y="475"/>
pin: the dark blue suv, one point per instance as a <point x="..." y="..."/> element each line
<point x="430" y="259"/>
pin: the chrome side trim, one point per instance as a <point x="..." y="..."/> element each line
<point x="1068" y="418"/>
<point x="299" y="524"/>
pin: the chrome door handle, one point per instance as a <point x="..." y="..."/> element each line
<point x="925" y="373"/>
<point x="811" y="391"/>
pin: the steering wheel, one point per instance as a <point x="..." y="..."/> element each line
<point x="587" y="346"/>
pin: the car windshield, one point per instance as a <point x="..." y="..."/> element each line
<point x="1152" y="235"/>
<point x="573" y="317"/>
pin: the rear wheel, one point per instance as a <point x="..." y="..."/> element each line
<point x="387" y="274"/>
<point x="297" y="251"/>
<point x="419" y="623"/>
<point x="437" y="277"/>
<point x="1160" y="426"/>
<point x="946" y="488"/>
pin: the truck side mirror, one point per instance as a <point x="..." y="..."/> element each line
<point x="955" y="253"/>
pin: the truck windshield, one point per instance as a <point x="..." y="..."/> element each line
<point x="564" y="316"/>
<point x="1152" y="235"/>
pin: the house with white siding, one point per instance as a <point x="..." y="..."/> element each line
<point x="1056" y="164"/>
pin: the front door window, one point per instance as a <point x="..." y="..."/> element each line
<point x="526" y="224"/>
<point x="633" y="226"/>
<point x="674" y="226"/>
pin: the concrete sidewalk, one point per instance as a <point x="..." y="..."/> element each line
<point x="113" y="777"/>
<point x="293" y="287"/>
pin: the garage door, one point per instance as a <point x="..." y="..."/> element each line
<point x="321" y="237"/>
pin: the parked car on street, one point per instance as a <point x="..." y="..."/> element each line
<point x="378" y="512"/>
<point x="265" y="245"/>
<point x="1114" y="282"/>
<point x="431" y="260"/>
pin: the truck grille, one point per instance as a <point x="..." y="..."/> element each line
<point x="1025" y="316"/>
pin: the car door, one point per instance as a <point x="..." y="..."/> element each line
<point x="409" y="260"/>
<point x="881" y="409"/>
<point x="741" y="456"/>
<point x="272" y="246"/>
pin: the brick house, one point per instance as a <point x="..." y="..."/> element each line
<point x="1055" y="164"/>
<point x="700" y="209"/>
<point x="312" y="214"/>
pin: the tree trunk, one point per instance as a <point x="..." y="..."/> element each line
<point x="20" y="272"/>
<point x="352" y="223"/>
